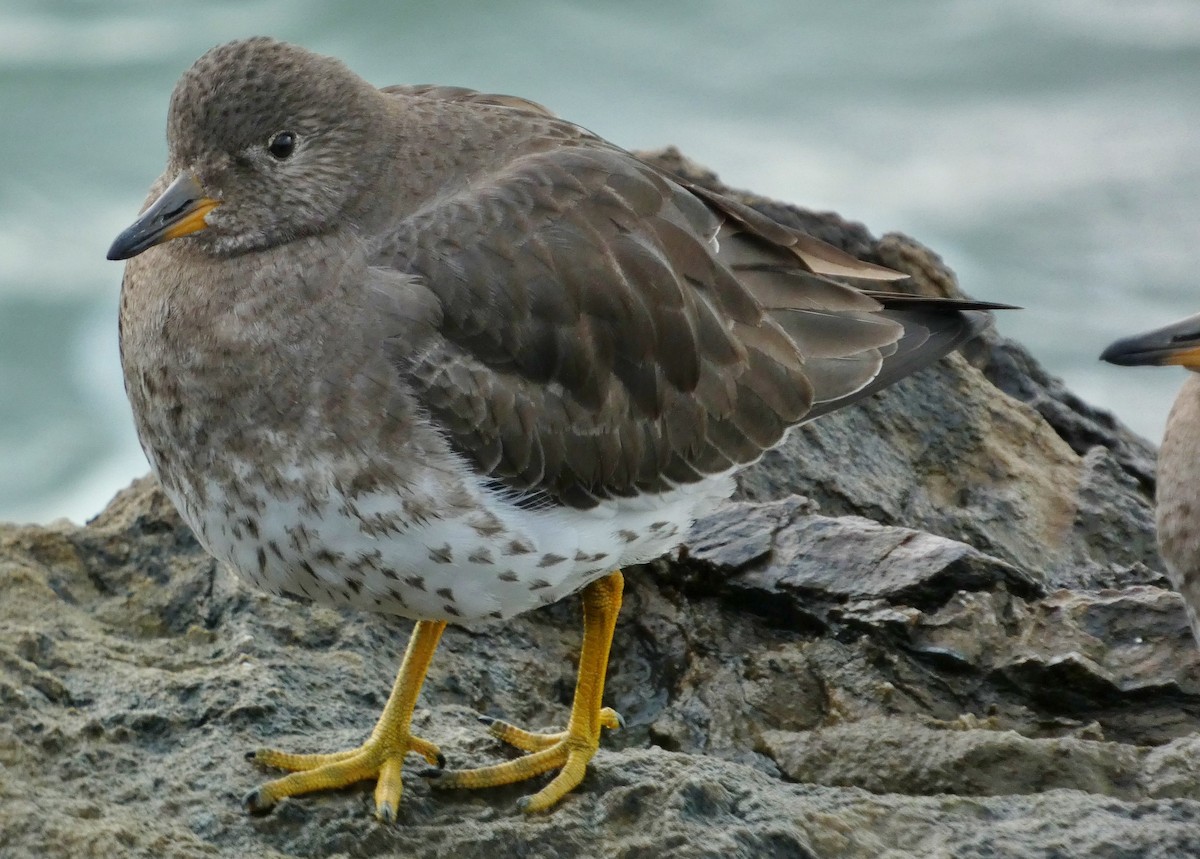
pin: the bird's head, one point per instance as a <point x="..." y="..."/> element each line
<point x="267" y="143"/>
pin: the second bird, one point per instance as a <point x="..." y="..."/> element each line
<point x="1177" y="500"/>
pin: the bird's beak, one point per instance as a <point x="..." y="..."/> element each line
<point x="1177" y="343"/>
<point x="179" y="211"/>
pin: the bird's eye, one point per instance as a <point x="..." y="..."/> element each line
<point x="282" y="144"/>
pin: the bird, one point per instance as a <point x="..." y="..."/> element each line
<point x="1177" y="489"/>
<point x="440" y="354"/>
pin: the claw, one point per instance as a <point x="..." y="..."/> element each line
<point x="255" y="804"/>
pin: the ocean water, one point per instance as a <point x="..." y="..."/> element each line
<point x="1050" y="151"/>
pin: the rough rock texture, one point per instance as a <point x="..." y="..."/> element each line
<point x="932" y="625"/>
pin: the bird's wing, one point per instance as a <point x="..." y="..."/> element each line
<point x="605" y="331"/>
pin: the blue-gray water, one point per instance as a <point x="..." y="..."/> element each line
<point x="1049" y="150"/>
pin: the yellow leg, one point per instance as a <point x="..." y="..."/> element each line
<point x="571" y="749"/>
<point x="380" y="757"/>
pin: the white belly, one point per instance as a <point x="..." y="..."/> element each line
<point x="417" y="557"/>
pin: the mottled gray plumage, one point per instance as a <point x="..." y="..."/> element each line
<point x="441" y="354"/>
<point x="556" y="306"/>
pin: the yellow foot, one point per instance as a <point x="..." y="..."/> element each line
<point x="376" y="758"/>
<point x="380" y="757"/>
<point x="568" y="751"/>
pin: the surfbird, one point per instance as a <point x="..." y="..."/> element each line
<point x="1177" y="502"/>
<point x="440" y="354"/>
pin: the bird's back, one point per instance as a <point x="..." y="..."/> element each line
<point x="609" y="330"/>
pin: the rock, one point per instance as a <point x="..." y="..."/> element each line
<point x="952" y="759"/>
<point x="933" y="625"/>
<point x="780" y="547"/>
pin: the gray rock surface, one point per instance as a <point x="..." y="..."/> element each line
<point x="933" y="625"/>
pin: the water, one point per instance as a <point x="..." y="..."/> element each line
<point x="1048" y="150"/>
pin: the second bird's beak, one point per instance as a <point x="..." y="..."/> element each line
<point x="1177" y="343"/>
<point x="179" y="211"/>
